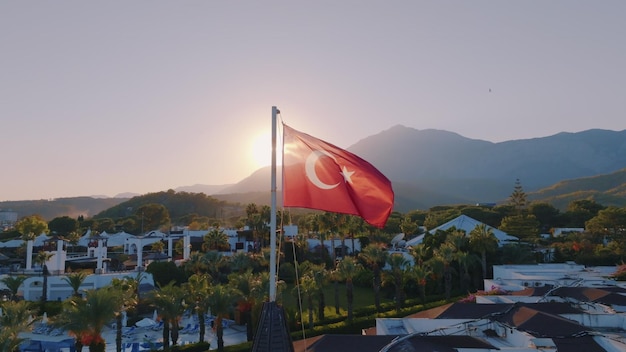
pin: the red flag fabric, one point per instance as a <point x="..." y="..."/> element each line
<point x="319" y="175"/>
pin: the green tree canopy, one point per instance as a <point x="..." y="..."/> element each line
<point x="525" y="227"/>
<point x="31" y="227"/>
<point x="547" y="215"/>
<point x="610" y="222"/>
<point x="63" y="225"/>
<point x="518" y="198"/>
<point x="153" y="216"/>
<point x="581" y="211"/>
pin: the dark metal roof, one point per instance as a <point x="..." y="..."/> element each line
<point x="613" y="299"/>
<point x="578" y="344"/>
<point x="588" y="294"/>
<point x="541" y="324"/>
<point x="272" y="333"/>
<point x="552" y="307"/>
<point x="615" y="289"/>
<point x="375" y="343"/>
<point x="344" y="343"/>
<point x="477" y="311"/>
<point x="472" y="310"/>
<point x="450" y="343"/>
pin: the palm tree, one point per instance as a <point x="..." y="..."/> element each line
<point x="135" y="282"/>
<point x="458" y="239"/>
<point x="126" y="289"/>
<point x="241" y="262"/>
<point x="214" y="261"/>
<point x="483" y="241"/>
<point x="420" y="253"/>
<point x="74" y="319"/>
<point x="257" y="221"/>
<point x="246" y="283"/>
<point x="348" y="268"/>
<point x="158" y="247"/>
<point x="215" y="240"/>
<point x="323" y="251"/>
<point x="301" y="241"/>
<point x="73" y="238"/>
<point x="221" y="301"/>
<point x="395" y="275"/>
<point x="170" y="301"/>
<point x="195" y="264"/>
<point x="86" y="318"/>
<point x="420" y="273"/>
<point x="197" y="288"/>
<point x="443" y="257"/>
<point x="13" y="283"/>
<point x="375" y="258"/>
<point x="75" y="280"/>
<point x="13" y="320"/>
<point x="261" y="259"/>
<point x="354" y="226"/>
<point x="341" y="223"/>
<point x="308" y="288"/>
<point x="335" y="278"/>
<point x="41" y="258"/>
<point x="320" y="275"/>
<point x="465" y="260"/>
<point x="327" y="224"/>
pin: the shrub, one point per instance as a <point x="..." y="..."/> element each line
<point x="287" y="272"/>
<point x="164" y="272"/>
<point x="363" y="279"/>
<point x="195" y="347"/>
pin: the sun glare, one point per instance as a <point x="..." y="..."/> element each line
<point x="261" y="152"/>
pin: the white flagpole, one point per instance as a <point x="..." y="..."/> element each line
<point x="273" y="211"/>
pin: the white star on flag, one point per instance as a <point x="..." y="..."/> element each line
<point x="347" y="175"/>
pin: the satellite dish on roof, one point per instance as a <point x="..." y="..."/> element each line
<point x="397" y="238"/>
<point x="402" y="243"/>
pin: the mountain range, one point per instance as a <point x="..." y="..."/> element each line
<point x="434" y="167"/>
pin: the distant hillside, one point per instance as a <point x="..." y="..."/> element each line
<point x="198" y="188"/>
<point x="608" y="189"/>
<point x="50" y="209"/>
<point x="178" y="204"/>
<point x="259" y="198"/>
<point x="432" y="167"/>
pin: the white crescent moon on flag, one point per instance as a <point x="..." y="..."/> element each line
<point x="311" y="161"/>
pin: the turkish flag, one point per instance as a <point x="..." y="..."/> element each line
<point x="319" y="175"/>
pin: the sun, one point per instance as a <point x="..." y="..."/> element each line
<point x="261" y="150"/>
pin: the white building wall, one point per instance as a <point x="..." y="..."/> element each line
<point x="59" y="289"/>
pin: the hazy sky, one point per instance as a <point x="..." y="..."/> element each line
<point x="105" y="97"/>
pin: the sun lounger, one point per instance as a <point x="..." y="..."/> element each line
<point x="128" y="332"/>
<point x="184" y="330"/>
<point x="41" y="329"/>
<point x="56" y="332"/>
<point x="194" y="330"/>
<point x="157" y="327"/>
